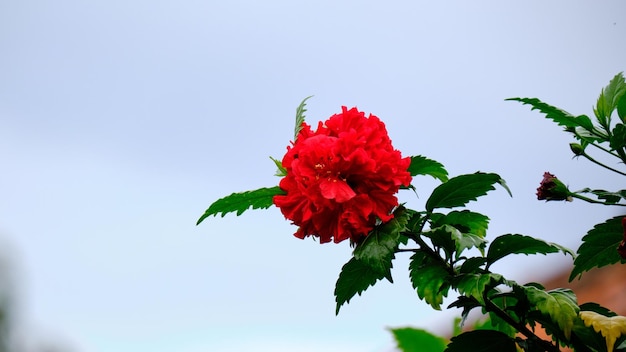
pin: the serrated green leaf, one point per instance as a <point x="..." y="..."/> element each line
<point x="467" y="303"/>
<point x="561" y="117"/>
<point x="430" y="278"/>
<point x="482" y="341"/>
<point x="300" y="117"/>
<point x="377" y="250"/>
<point x="599" y="247"/>
<point x="559" y="304"/>
<point x="423" y="166"/>
<point x="417" y="340"/>
<point x="472" y="265"/>
<point x="239" y="202"/>
<point x="466" y="222"/>
<point x="460" y="190"/>
<point x="520" y="244"/>
<point x="355" y="277"/>
<point x="474" y="285"/>
<point x="608" y="99"/>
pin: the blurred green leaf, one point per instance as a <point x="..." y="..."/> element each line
<point x="599" y="247"/>
<point x="423" y="166"/>
<point x="460" y="190"/>
<point x="355" y="277"/>
<point x="520" y="244"/>
<point x="239" y="202"/>
<point x="482" y="341"/>
<point x="430" y="278"/>
<point x="417" y="340"/>
<point x="560" y="304"/>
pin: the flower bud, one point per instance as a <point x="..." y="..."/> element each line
<point x="577" y="149"/>
<point x="551" y="188"/>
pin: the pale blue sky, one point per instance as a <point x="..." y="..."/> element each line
<point x="121" y="121"/>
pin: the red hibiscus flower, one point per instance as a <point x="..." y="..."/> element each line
<point x="342" y="178"/>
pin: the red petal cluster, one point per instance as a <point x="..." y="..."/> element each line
<point x="342" y="178"/>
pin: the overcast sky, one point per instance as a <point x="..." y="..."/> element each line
<point x="121" y="121"/>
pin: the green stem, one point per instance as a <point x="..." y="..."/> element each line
<point x="589" y="200"/>
<point x="600" y="164"/>
<point x="523" y="329"/>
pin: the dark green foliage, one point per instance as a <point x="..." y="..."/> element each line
<point x="430" y="278"/>
<point x="460" y="190"/>
<point x="482" y="341"/>
<point x="520" y="244"/>
<point x="355" y="277"/>
<point x="599" y="247"/>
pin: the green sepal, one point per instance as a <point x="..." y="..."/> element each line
<point x="430" y="278"/>
<point x="521" y="244"/>
<point x="261" y="198"/>
<point x="599" y="247"/>
<point x="421" y="165"/>
<point x="559" y="304"/>
<point x="280" y="169"/>
<point x="300" y="117"/>
<point x="355" y="277"/>
<point x="482" y="341"/>
<point x="378" y="248"/>
<point x="417" y="340"/>
<point x="460" y="190"/>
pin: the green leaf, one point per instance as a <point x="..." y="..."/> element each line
<point x="281" y="171"/>
<point x="559" y="304"/>
<point x="599" y="247"/>
<point x="460" y="190"/>
<point x="423" y="166"/>
<point x="430" y="278"/>
<point x="239" y="202"/>
<point x="418" y="340"/>
<point x="520" y="244"/>
<point x="300" y="117"/>
<point x="355" y="277"/>
<point x="561" y="117"/>
<point x="474" y="285"/>
<point x="377" y="250"/>
<point x="482" y="341"/>
<point x="467" y="303"/>
<point x="466" y="222"/>
<point x="609" y="98"/>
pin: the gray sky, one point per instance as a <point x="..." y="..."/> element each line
<point x="121" y="121"/>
